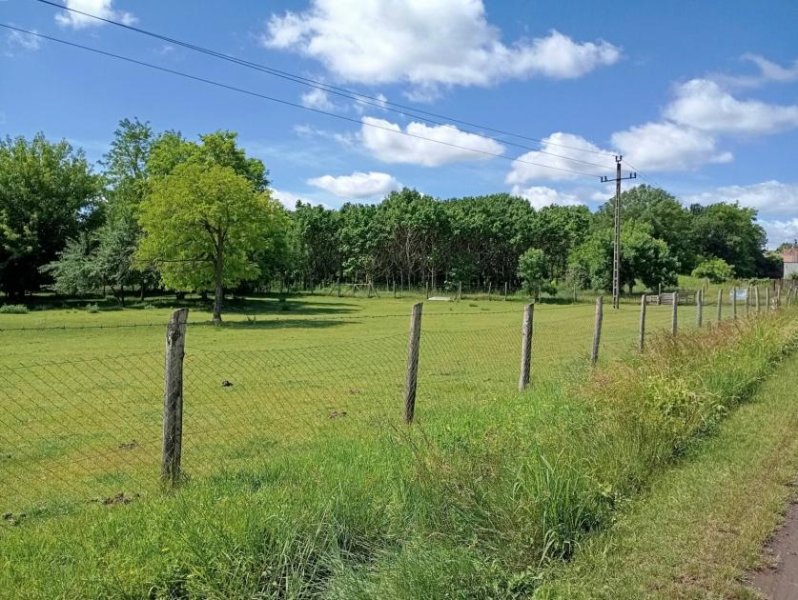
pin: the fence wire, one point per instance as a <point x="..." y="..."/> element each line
<point x="89" y="429"/>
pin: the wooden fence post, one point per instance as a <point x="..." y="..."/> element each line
<point x="394" y="288"/>
<point x="748" y="301"/>
<point x="173" y="397"/>
<point x="734" y="303"/>
<point x="720" y="304"/>
<point x="575" y="298"/>
<point x="490" y="289"/>
<point x="505" y="290"/>
<point x="459" y="291"/>
<point x="778" y="296"/>
<point x="642" y="341"/>
<point x="597" y="330"/>
<point x="526" y="347"/>
<point x="411" y="379"/>
<point x="674" y="313"/>
<point x="699" y="308"/>
<point x="756" y="295"/>
<point x="767" y="297"/>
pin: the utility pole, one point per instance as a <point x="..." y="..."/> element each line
<point x="616" y="244"/>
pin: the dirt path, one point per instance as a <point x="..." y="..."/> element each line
<point x="781" y="581"/>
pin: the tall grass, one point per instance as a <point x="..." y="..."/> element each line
<point x="472" y="502"/>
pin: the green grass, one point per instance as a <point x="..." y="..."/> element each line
<point x="474" y="501"/>
<point x="702" y="526"/>
<point x="82" y="408"/>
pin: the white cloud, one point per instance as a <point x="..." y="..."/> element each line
<point x="703" y="104"/>
<point x="541" y="196"/>
<point x="384" y="140"/>
<point x="100" y="8"/>
<point x="769" y="72"/>
<point x="667" y="146"/>
<point x="565" y="146"/>
<point x="427" y="43"/>
<point x="768" y="197"/>
<point x="357" y="185"/>
<point x="317" y="98"/>
<point x="287" y="199"/>
<point x="17" y="40"/>
<point x="779" y="232"/>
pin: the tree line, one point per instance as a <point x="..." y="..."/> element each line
<point x="166" y="212"/>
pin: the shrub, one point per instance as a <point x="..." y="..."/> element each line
<point x="92" y="308"/>
<point x="716" y="270"/>
<point x="14" y="309"/>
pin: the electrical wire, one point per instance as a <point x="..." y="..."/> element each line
<point x="381" y="103"/>
<point x="287" y="102"/>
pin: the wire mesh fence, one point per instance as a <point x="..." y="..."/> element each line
<point x="91" y="428"/>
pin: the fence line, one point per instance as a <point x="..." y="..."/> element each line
<point x="73" y="428"/>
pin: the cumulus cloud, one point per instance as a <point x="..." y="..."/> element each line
<point x="384" y="140"/>
<point x="317" y="98"/>
<point x="667" y="146"/>
<point x="426" y="44"/>
<point x="357" y="185"/>
<point x="557" y="168"/>
<point x="702" y="104"/>
<point x="100" y="8"/>
<point x="541" y="196"/>
<point x="768" y="197"/>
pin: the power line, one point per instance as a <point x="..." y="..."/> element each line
<point x="402" y="109"/>
<point x="287" y="102"/>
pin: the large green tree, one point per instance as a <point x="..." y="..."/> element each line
<point x="730" y="232"/>
<point x="48" y="194"/>
<point x="204" y="225"/>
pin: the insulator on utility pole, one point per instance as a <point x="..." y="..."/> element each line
<point x="616" y="244"/>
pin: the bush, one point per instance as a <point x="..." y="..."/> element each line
<point x="716" y="270"/>
<point x="14" y="309"/>
<point x="92" y="308"/>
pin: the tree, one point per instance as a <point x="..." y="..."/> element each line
<point x="48" y="195"/>
<point x="74" y="272"/>
<point x="532" y="271"/>
<point x="664" y="216"/>
<point x="643" y="258"/>
<point x="716" y="270"/>
<point x="730" y="232"/>
<point x="204" y="225"/>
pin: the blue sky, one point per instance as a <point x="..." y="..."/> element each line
<point x="701" y="97"/>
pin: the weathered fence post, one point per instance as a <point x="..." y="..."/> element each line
<point x="490" y="289"/>
<point x="674" y="313"/>
<point x="411" y="379"/>
<point x="734" y="303"/>
<point x="394" y="288"/>
<point x="756" y="295"/>
<point x="748" y="301"/>
<point x="642" y="341"/>
<point x="459" y="291"/>
<point x="767" y="297"/>
<point x="338" y="286"/>
<point x="426" y="290"/>
<point x="173" y="397"/>
<point x="575" y="298"/>
<point x="526" y="347"/>
<point x="699" y="308"/>
<point x="778" y="296"/>
<point x="720" y="304"/>
<point x="597" y="330"/>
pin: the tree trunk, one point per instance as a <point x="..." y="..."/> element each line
<point x="219" y="283"/>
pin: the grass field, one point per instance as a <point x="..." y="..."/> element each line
<point x="81" y="416"/>
<point x="288" y="498"/>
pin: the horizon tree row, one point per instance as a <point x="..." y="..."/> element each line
<point x="166" y="212"/>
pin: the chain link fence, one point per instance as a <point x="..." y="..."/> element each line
<point x="92" y="429"/>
